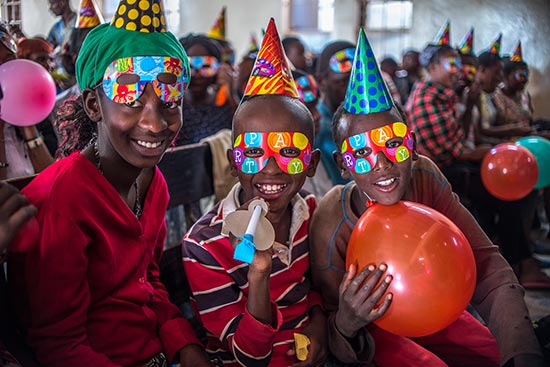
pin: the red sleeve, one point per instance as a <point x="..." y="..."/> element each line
<point x="175" y="332"/>
<point x="50" y="294"/>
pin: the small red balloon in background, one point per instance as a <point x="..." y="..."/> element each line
<point x="432" y="263"/>
<point x="509" y="171"/>
<point x="28" y="92"/>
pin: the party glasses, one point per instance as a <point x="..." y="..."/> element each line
<point x="521" y="74"/>
<point x="452" y="64"/>
<point x="342" y="61"/>
<point x="205" y="66"/>
<point x="125" y="79"/>
<point x="360" y="152"/>
<point x="291" y="150"/>
<point x="307" y="88"/>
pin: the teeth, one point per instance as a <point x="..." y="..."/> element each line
<point x="270" y="189"/>
<point x="386" y="182"/>
<point x="149" y="144"/>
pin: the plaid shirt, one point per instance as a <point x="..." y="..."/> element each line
<point x="432" y="112"/>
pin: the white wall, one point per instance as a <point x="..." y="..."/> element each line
<point x="527" y="20"/>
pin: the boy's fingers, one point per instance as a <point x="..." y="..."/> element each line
<point x="347" y="278"/>
<point x="370" y="285"/>
<point x="370" y="302"/>
<point x="381" y="310"/>
<point x="358" y="280"/>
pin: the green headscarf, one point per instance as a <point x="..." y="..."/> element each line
<point x="106" y="43"/>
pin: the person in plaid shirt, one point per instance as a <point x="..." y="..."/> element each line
<point x="432" y="110"/>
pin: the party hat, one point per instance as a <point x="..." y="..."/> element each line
<point x="442" y="37"/>
<point x="271" y="73"/>
<point x="253" y="44"/>
<point x="218" y="29"/>
<point x="142" y="16"/>
<point x="495" y="46"/>
<point x="466" y="46"/>
<point x="367" y="93"/>
<point x="516" y="56"/>
<point x="88" y="15"/>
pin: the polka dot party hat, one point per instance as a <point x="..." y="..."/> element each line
<point x="140" y="15"/>
<point x="88" y="15"/>
<point x="271" y="73"/>
<point x="443" y="37"/>
<point x="495" y="46"/>
<point x="218" y="29"/>
<point x="466" y="45"/>
<point x="367" y="93"/>
<point x="516" y="56"/>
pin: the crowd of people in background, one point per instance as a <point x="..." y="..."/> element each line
<point x="457" y="104"/>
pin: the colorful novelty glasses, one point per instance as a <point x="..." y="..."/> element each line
<point x="360" y="152"/>
<point x="521" y="74"/>
<point x="452" y="64"/>
<point x="307" y="88"/>
<point x="126" y="78"/>
<point x="205" y="66"/>
<point x="291" y="150"/>
<point x="342" y="61"/>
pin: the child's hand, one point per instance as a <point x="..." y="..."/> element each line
<point x="316" y="331"/>
<point x="358" y="302"/>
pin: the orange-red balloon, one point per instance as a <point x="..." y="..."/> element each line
<point x="509" y="171"/>
<point x="432" y="264"/>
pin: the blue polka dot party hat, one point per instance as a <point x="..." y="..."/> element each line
<point x="140" y="15"/>
<point x="367" y="93"/>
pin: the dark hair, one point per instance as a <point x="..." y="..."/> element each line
<point x="511" y="66"/>
<point x="432" y="53"/>
<point x="287" y="41"/>
<point x="329" y="50"/>
<point x="76" y="129"/>
<point x="340" y="112"/>
<point x="296" y="104"/>
<point x="388" y="61"/>
<point x="488" y="59"/>
<point x="212" y="46"/>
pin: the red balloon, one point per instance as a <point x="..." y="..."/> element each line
<point x="432" y="263"/>
<point x="509" y="171"/>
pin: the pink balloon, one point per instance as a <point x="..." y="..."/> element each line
<point x="28" y="92"/>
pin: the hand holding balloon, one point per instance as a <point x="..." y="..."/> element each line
<point x="28" y="92"/>
<point x="360" y="297"/>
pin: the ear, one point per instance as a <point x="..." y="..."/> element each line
<point x="92" y="107"/>
<point x="315" y="157"/>
<point x="232" y="165"/>
<point x="344" y="171"/>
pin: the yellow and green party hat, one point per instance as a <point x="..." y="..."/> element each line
<point x="516" y="56"/>
<point x="495" y="46"/>
<point x="443" y="37"/>
<point x="218" y="29"/>
<point x="271" y="73"/>
<point x="367" y="93"/>
<point x="466" y="45"/>
<point x="88" y="15"/>
<point x="140" y="15"/>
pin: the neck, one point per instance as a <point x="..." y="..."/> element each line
<point x="281" y="224"/>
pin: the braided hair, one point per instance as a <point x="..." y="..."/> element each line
<point x="76" y="129"/>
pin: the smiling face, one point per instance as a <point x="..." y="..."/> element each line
<point x="285" y="117"/>
<point x="138" y="132"/>
<point x="388" y="178"/>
